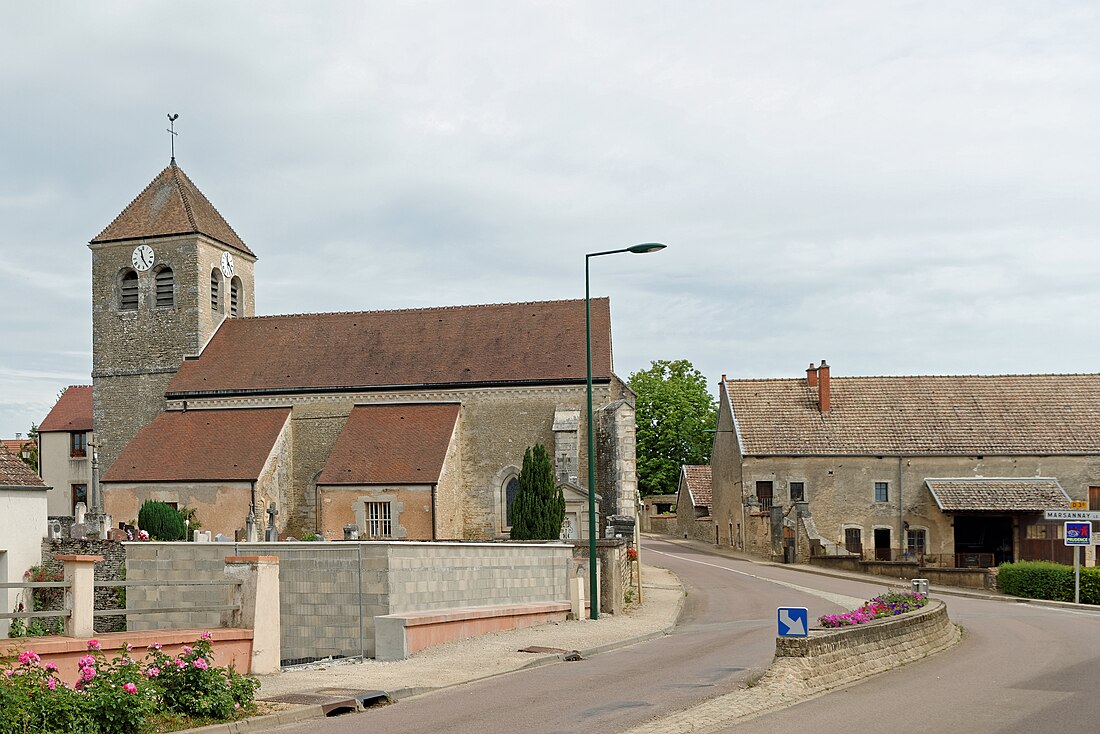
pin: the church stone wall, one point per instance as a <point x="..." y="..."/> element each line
<point x="316" y="426"/>
<point x="496" y="427"/>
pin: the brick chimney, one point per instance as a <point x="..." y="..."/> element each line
<point x="823" y="386"/>
<point x="811" y="375"/>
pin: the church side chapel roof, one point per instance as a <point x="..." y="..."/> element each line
<point x="200" y="446"/>
<point x="939" y="415"/>
<point x="14" y="473"/>
<point x="392" y="444"/>
<point x="697" y="478"/>
<point x="71" y="412"/>
<point x="171" y="205"/>
<point x="539" y="342"/>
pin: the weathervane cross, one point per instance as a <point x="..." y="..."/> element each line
<point x="172" y="131"/>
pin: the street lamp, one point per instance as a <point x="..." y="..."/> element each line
<point x="593" y="590"/>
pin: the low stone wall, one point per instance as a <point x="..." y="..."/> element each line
<point x="967" y="578"/>
<point x="111" y="568"/>
<point x="834" y="657"/>
<point x="892" y="569"/>
<point x="661" y="524"/>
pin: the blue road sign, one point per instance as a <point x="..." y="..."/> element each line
<point x="1078" y="533"/>
<point x="793" y="621"/>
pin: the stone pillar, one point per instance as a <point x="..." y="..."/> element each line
<point x="258" y="608"/>
<point x="80" y="595"/>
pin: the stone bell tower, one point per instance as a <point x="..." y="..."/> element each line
<point x="165" y="274"/>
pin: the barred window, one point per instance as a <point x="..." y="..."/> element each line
<point x="128" y="300"/>
<point x="166" y="288"/>
<point x="215" y="290"/>
<point x="379" y="524"/>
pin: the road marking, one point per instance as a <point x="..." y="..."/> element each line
<point x="848" y="602"/>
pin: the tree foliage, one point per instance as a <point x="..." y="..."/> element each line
<point x="30" y="448"/>
<point x="539" y="507"/>
<point x="674" y="410"/>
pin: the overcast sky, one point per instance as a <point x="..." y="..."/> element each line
<point x="901" y="188"/>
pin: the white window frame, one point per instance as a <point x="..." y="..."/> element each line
<point x="379" y="519"/>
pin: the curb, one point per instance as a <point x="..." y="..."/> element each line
<point x="301" y="713"/>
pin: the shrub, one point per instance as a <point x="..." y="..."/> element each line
<point x="162" y="521"/>
<point x="121" y="695"/>
<point x="1047" y="580"/>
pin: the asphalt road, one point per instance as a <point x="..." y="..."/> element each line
<point x="1019" y="668"/>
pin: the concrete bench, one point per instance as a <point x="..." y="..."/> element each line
<point x="396" y="636"/>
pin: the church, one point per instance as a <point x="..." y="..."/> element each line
<point x="405" y="424"/>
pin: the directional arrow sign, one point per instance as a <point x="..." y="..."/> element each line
<point x="793" y="621"/>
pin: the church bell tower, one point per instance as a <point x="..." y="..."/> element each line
<point x="165" y="274"/>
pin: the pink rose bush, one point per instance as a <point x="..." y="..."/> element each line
<point x="120" y="695"/>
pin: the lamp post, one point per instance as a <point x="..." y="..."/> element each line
<point x="593" y="586"/>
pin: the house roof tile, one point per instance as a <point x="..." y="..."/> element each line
<point x="939" y="415"/>
<point x="71" y="412"/>
<point x="1033" y="494"/>
<point x="459" y="345"/>
<point x="200" y="446"/>
<point x="392" y="444"/>
<point x="171" y="205"/>
<point x="14" y="473"/>
<point x="698" y="484"/>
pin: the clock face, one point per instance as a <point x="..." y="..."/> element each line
<point x="227" y="265"/>
<point x="143" y="258"/>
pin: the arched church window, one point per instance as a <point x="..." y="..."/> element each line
<point x="235" y="296"/>
<point x="165" y="288"/>
<point x="510" y="489"/>
<point x="128" y="293"/>
<point x="215" y="290"/>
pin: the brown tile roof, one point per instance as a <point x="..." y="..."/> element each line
<point x="71" y="412"/>
<point x="200" y="446"/>
<point x="14" y="445"/>
<point x="392" y="444"/>
<point x="171" y="205"/>
<point x="698" y="485"/>
<point x="14" y="473"/>
<point x="998" y="415"/>
<point x="1033" y="494"/>
<point x="458" y="345"/>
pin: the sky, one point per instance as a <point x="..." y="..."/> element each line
<point x="896" y="187"/>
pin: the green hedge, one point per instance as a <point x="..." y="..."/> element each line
<point x="1046" y="580"/>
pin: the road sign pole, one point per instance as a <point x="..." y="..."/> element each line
<point x="1077" y="574"/>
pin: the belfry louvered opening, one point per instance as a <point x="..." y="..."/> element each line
<point x="128" y="295"/>
<point x="165" y="288"/>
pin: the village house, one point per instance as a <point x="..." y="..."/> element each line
<point x="66" y="441"/>
<point x="397" y="424"/>
<point x="22" y="526"/>
<point x="948" y="470"/>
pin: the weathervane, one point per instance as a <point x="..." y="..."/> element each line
<point x="172" y="131"/>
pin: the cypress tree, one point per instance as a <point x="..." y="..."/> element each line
<point x="539" y="507"/>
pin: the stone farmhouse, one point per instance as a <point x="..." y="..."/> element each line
<point x="397" y="424"/>
<point x="64" y="455"/>
<point x="950" y="470"/>
<point x="693" y="504"/>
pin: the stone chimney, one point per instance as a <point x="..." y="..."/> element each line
<point x="811" y="375"/>
<point x="823" y="386"/>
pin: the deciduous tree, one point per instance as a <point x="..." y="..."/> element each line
<point x="674" y="411"/>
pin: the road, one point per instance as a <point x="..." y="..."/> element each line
<point x="1019" y="668"/>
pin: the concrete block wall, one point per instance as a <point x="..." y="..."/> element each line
<point x="331" y="592"/>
